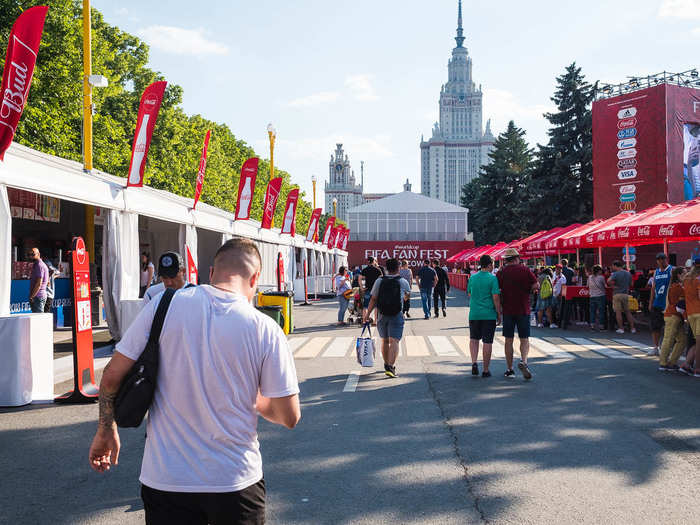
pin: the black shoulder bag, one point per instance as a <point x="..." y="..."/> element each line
<point x="135" y="394"/>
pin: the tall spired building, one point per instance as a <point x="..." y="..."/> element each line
<point x="458" y="147"/>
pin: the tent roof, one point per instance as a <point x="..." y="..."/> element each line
<point x="408" y="201"/>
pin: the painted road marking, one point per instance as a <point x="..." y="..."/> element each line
<point x="608" y="352"/>
<point x="619" y="347"/>
<point x="634" y="344"/>
<point x="462" y="344"/>
<point x="571" y="348"/>
<point x="549" y="349"/>
<point x="312" y="348"/>
<point x="339" y="347"/>
<point x="296" y="342"/>
<point x="416" y="346"/>
<point x="442" y="346"/>
<point x="351" y="383"/>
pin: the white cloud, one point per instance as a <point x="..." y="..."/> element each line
<point x="360" y="86"/>
<point x="315" y="99"/>
<point x="686" y="9"/>
<point x="181" y="41"/>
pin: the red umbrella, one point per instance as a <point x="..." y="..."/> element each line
<point x="632" y="229"/>
<point x="462" y="256"/>
<point x="673" y="224"/>
<point x="564" y="241"/>
<point x="474" y="255"/>
<point x="458" y="254"/>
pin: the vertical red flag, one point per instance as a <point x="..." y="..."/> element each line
<point x="313" y="225"/>
<point x="202" y="168"/>
<point x="22" y="50"/>
<point x="271" y="196"/>
<point x="329" y="229"/>
<point x="333" y="237"/>
<point x="192" y="274"/>
<point x="246" y="188"/>
<point x="146" y="121"/>
<point x="289" y="224"/>
<point x="345" y="240"/>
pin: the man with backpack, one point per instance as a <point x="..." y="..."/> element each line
<point x="441" y="288"/>
<point x="388" y="294"/>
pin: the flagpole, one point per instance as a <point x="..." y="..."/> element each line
<point x="87" y="126"/>
<point x="272" y="135"/>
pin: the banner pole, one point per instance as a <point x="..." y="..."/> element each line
<point x="600" y="255"/>
<point x="306" y="286"/>
<point x="627" y="256"/>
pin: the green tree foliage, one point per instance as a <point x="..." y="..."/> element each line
<point x="496" y="197"/>
<point x="562" y="181"/>
<point x="52" y="120"/>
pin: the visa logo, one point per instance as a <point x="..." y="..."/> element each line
<point x="626" y="174"/>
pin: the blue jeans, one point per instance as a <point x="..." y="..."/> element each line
<point x="597" y="305"/>
<point x="426" y="296"/>
<point x="342" y="307"/>
<point x="37" y="304"/>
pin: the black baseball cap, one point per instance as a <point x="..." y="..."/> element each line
<point x="661" y="255"/>
<point x="169" y="264"/>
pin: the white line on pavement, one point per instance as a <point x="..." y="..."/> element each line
<point x="338" y="348"/>
<point x="442" y="345"/>
<point x="600" y="349"/>
<point x="296" y="342"/>
<point x="351" y="383"/>
<point x="550" y="349"/>
<point x="633" y="344"/>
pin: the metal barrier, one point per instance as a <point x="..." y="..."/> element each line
<point x="458" y="280"/>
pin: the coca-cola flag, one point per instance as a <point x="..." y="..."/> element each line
<point x="22" y="50"/>
<point x="146" y="121"/>
<point x="346" y="236"/>
<point x="246" y="188"/>
<point x="271" y="196"/>
<point x="201" y="170"/>
<point x="333" y="237"/>
<point x="289" y="224"/>
<point x="313" y="225"/>
<point x="192" y="274"/>
<point x="329" y="229"/>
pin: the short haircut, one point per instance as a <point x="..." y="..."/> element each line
<point x="370" y="259"/>
<point x="564" y="262"/>
<point x="617" y="263"/>
<point x="342" y="270"/>
<point x="427" y="262"/>
<point x="436" y="261"/>
<point x="392" y="265"/>
<point x="485" y="261"/>
<point x="238" y="256"/>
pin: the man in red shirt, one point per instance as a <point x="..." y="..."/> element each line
<point x="516" y="283"/>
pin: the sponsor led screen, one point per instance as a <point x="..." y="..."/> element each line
<point x="691" y="161"/>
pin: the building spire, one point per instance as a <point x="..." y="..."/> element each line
<point x="459" y="38"/>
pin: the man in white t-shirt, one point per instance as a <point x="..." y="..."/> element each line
<point x="558" y="281"/>
<point x="221" y="364"/>
<point x="171" y="270"/>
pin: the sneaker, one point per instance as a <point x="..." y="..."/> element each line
<point x="444" y="312"/>
<point x="672" y="368"/>
<point x="634" y="330"/>
<point x="485" y="373"/>
<point x="685" y="370"/>
<point x="390" y="371"/>
<point x="509" y="373"/>
<point x="653" y="351"/>
<point x="662" y="368"/>
<point x="427" y="317"/>
<point x="697" y="373"/>
<point x="437" y="315"/>
<point x="408" y="315"/>
<point x="475" y="369"/>
<point x="620" y="331"/>
<point x="553" y="325"/>
<point x="525" y="370"/>
<point x="540" y="325"/>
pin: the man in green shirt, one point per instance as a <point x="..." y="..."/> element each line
<point x="484" y="313"/>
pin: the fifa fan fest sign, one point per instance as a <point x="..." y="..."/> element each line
<point x="415" y="252"/>
<point x="646" y="149"/>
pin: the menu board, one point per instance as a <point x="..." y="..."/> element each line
<point x="32" y="206"/>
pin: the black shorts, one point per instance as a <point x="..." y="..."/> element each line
<point x="510" y="322"/>
<point x="482" y="330"/>
<point x="245" y="507"/>
<point x="657" y="319"/>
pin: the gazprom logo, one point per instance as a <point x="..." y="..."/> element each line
<point x="627" y="133"/>
<point x="626" y="143"/>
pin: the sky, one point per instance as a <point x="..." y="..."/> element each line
<point x="368" y="73"/>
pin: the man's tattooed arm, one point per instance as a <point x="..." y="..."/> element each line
<point x="106" y="403"/>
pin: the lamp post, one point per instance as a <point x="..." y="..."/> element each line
<point x="335" y="206"/>
<point x="272" y="135"/>
<point x="313" y="184"/>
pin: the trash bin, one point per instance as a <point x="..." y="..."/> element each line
<point x="283" y="299"/>
<point x="275" y="312"/>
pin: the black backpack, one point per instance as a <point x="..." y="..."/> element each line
<point x="389" y="300"/>
<point x="135" y="394"/>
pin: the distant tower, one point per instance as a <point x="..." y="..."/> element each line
<point x="407" y="186"/>
<point x="458" y="148"/>
<point x="341" y="184"/>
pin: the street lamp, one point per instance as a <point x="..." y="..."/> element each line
<point x="335" y="206"/>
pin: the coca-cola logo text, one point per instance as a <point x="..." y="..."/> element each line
<point x="623" y="233"/>
<point x="694" y="229"/>
<point x="666" y="231"/>
<point x="643" y="231"/>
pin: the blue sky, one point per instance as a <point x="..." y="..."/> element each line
<point x="368" y="73"/>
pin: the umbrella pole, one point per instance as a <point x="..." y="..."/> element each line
<point x="600" y="255"/>
<point x="627" y="256"/>
<point x="559" y="256"/>
<point x="666" y="247"/>
<point x="578" y="263"/>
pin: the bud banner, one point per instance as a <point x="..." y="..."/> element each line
<point x="271" y="196"/>
<point x="313" y="225"/>
<point x="146" y="121"/>
<point x="329" y="229"/>
<point x="202" y="168"/>
<point x="22" y="50"/>
<point x="289" y="225"/>
<point x="192" y="274"/>
<point x="246" y="188"/>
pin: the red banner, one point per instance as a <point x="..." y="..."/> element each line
<point x="146" y="121"/>
<point x="334" y="237"/>
<point x="201" y="170"/>
<point x="22" y="50"/>
<point x="313" y="225"/>
<point x="192" y="274"/>
<point x="271" y="195"/>
<point x="339" y="237"/>
<point x="346" y="237"/>
<point x="415" y="252"/>
<point x="289" y="225"/>
<point x="246" y="188"/>
<point x="329" y="229"/>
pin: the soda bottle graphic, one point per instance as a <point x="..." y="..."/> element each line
<point x="288" y="219"/>
<point x="139" y="152"/>
<point x="244" y="203"/>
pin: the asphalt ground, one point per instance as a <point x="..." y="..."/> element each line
<point x="589" y="440"/>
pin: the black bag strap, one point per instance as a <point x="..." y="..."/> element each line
<point x="159" y="318"/>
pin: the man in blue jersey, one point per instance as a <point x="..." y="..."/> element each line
<point x="659" y="290"/>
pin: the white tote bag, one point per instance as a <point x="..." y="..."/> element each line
<point x="365" y="347"/>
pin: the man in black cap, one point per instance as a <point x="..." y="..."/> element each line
<point x="659" y="290"/>
<point x="171" y="270"/>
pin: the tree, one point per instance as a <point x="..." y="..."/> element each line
<point x="495" y="197"/>
<point x="562" y="182"/>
